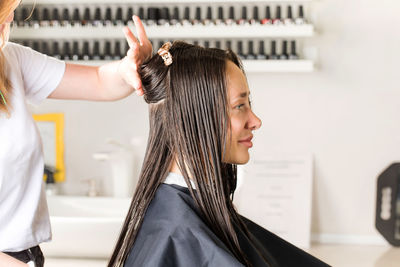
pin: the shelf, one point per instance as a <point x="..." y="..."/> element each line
<point x="158" y="1"/>
<point x="251" y="66"/>
<point x="166" y="32"/>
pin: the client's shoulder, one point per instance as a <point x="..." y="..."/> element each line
<point x="172" y="215"/>
<point x="173" y="234"/>
<point x="174" y="205"/>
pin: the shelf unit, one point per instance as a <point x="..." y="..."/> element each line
<point x="233" y="32"/>
<point x="169" y="32"/>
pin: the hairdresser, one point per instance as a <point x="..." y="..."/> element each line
<point x="28" y="76"/>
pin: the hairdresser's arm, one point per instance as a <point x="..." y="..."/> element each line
<point x="8" y="261"/>
<point x="111" y="81"/>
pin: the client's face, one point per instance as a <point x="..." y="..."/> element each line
<point x="243" y="120"/>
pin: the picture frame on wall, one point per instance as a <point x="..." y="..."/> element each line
<point x="275" y="191"/>
<point x="51" y="129"/>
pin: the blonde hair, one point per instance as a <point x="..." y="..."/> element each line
<point x="6" y="7"/>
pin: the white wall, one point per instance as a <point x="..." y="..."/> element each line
<point x="347" y="114"/>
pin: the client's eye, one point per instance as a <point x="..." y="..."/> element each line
<point x="239" y="106"/>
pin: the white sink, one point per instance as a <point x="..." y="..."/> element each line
<point x="84" y="226"/>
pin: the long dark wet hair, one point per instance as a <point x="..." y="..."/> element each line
<point x="189" y="122"/>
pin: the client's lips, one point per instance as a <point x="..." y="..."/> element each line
<point x="247" y="141"/>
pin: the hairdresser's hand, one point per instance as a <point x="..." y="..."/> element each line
<point x="140" y="50"/>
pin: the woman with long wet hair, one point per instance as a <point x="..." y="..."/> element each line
<point x="201" y="125"/>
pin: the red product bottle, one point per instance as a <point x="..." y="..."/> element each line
<point x="267" y="20"/>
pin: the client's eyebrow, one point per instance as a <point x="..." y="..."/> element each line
<point x="241" y="95"/>
<point x="244" y="94"/>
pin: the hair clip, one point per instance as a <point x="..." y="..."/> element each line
<point x="3" y="98"/>
<point x="165" y="54"/>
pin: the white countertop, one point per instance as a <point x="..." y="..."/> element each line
<point x="357" y="255"/>
<point x="335" y="255"/>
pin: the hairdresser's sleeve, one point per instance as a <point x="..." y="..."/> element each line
<point x="41" y="73"/>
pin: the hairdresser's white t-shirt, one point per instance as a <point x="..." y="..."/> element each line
<point x="24" y="217"/>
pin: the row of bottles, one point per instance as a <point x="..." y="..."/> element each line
<point x="116" y="49"/>
<point x="47" y="15"/>
<point x="76" y="50"/>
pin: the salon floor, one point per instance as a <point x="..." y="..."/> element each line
<point x="335" y="255"/>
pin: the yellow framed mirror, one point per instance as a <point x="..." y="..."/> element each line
<point x="51" y="129"/>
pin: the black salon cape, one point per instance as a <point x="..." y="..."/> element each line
<point x="173" y="235"/>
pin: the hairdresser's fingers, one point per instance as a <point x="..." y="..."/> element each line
<point x="140" y="92"/>
<point x="134" y="80"/>
<point x="139" y="51"/>
<point x="130" y="37"/>
<point x="140" y="29"/>
<point x="133" y="60"/>
<point x="131" y="75"/>
<point x="134" y="55"/>
<point x="128" y="69"/>
<point x="145" y="44"/>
